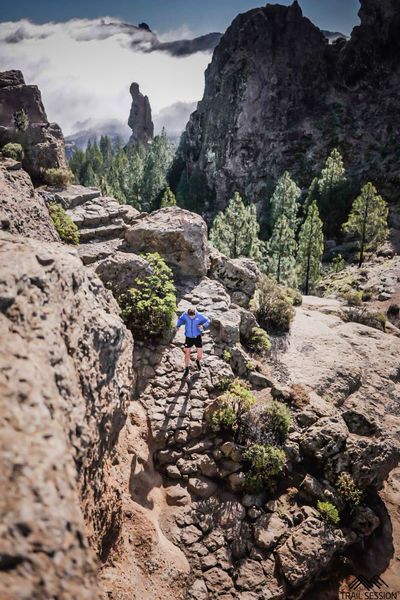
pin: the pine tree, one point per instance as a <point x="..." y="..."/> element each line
<point x="158" y="160"/>
<point x="136" y="169"/>
<point x="235" y="231"/>
<point x="168" y="198"/>
<point x="281" y="251"/>
<point x="284" y="201"/>
<point x="368" y="219"/>
<point x="311" y="248"/>
<point x="332" y="193"/>
<point x="106" y="150"/>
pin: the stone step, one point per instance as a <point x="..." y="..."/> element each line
<point x="70" y="197"/>
<point x="103" y="232"/>
<point x="95" y="250"/>
<point x="101" y="211"/>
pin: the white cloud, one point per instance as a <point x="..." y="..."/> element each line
<point x="84" y="68"/>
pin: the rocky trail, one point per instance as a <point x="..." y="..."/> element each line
<point x="165" y="511"/>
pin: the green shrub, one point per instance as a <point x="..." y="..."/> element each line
<point x="14" y="151"/>
<point x="58" y="177"/>
<point x="148" y="309"/>
<point x="393" y="310"/>
<point x="250" y="366"/>
<point x="271" y="305"/>
<point x="227" y="355"/>
<point x="348" y="489"/>
<point x="353" y="298"/>
<point x="281" y="418"/>
<point x="376" y="320"/>
<point x="294" y="296"/>
<point x="264" y="462"/>
<point x="21" y="120"/>
<point x="328" y="512"/>
<point x="225" y="416"/>
<point x="259" y="340"/>
<point x="232" y="405"/>
<point x="242" y="397"/>
<point x="66" y="228"/>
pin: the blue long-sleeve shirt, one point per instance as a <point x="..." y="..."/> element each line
<point x="192" y="324"/>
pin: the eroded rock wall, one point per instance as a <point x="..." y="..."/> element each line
<point x="43" y="142"/>
<point x="279" y="97"/>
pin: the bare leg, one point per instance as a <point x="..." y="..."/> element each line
<point x="187" y="357"/>
<point x="199" y="353"/>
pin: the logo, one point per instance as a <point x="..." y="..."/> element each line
<point x="375" y="582"/>
<point x="362" y="588"/>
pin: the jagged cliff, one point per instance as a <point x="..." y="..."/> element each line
<point x="279" y="97"/>
<point x="115" y="484"/>
<point x="43" y="142"/>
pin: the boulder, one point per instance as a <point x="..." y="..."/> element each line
<point x="217" y="581"/>
<point x="324" y="439"/>
<point x="120" y="270"/>
<point x="368" y="460"/>
<point x="178" y="235"/>
<point x="250" y="575"/>
<point x="308" y="550"/>
<point x="177" y="496"/>
<point x="238" y="275"/>
<point x="364" y="521"/>
<point x="22" y="210"/>
<point x="201" y="486"/>
<point x="268" y="530"/>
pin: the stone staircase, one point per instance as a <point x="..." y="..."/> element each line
<point x="101" y="220"/>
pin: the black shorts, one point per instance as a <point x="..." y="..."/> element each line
<point x="197" y="341"/>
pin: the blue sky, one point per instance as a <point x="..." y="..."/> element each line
<point x="162" y="15"/>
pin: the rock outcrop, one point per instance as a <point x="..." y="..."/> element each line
<point x="108" y="451"/>
<point x="43" y="142"/>
<point x="292" y="98"/>
<point x="140" y="120"/>
<point x="177" y="234"/>
<point x="65" y="384"/>
<point x="22" y="210"/>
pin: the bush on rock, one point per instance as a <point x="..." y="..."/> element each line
<point x="328" y="512"/>
<point x="148" y="309"/>
<point x="232" y="405"/>
<point x="58" y="177"/>
<point x="66" y="228"/>
<point x="376" y="320"/>
<point x="259" y="340"/>
<point x="347" y="488"/>
<point x="264" y="462"/>
<point x="14" y="151"/>
<point x="272" y="305"/>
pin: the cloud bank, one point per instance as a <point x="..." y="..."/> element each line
<point x="84" y="68"/>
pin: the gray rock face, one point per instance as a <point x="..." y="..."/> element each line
<point x="42" y="141"/>
<point x="178" y="235"/>
<point x="278" y="121"/>
<point x="140" y="117"/>
<point x="238" y="275"/>
<point x="22" y="210"/>
<point x="308" y="550"/>
<point x="65" y="379"/>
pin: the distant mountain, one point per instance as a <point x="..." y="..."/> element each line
<point x="332" y="36"/>
<point x="93" y="129"/>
